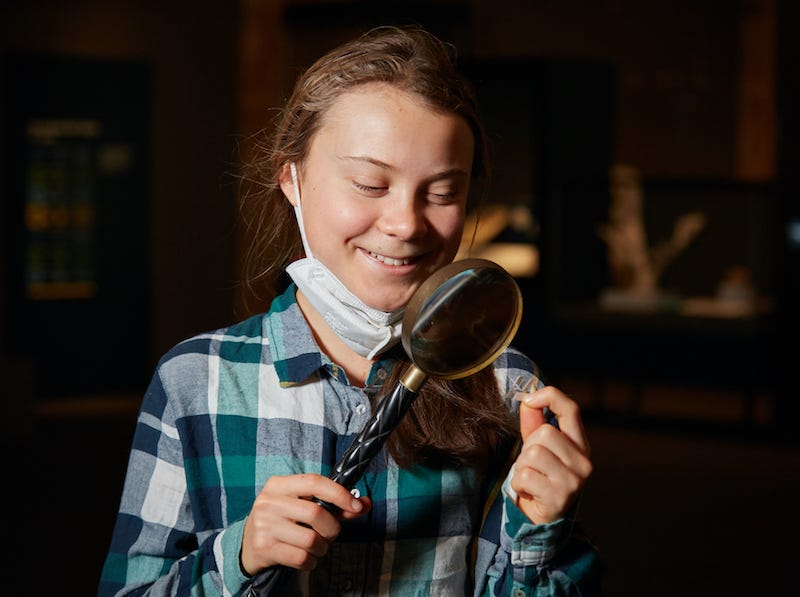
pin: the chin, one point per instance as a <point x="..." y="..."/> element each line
<point x="397" y="301"/>
<point x="389" y="296"/>
<point x="388" y="306"/>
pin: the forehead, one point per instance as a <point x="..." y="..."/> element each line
<point x="381" y="119"/>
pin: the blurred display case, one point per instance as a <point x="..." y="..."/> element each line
<point x="76" y="221"/>
<point x="710" y="322"/>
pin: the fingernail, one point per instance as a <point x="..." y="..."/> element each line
<point x="524" y="398"/>
<point x="356" y="505"/>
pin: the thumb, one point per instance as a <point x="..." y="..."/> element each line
<point x="530" y="419"/>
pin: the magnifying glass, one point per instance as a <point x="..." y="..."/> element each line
<point x="456" y="323"/>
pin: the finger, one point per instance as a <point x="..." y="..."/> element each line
<point x="338" y="496"/>
<point x="285" y="500"/>
<point x="530" y="419"/>
<point x="272" y="535"/>
<point x="542" y="498"/>
<point x="553" y="454"/>
<point x="565" y="410"/>
<point x="366" y="504"/>
<point x="545" y="486"/>
<point x="304" y="538"/>
<point x="279" y="517"/>
<point x="293" y="556"/>
<point x="536" y="459"/>
<point x="311" y="485"/>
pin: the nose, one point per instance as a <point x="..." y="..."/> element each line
<point x="403" y="217"/>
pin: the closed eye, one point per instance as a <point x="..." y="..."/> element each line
<point x="368" y="189"/>
<point x="445" y="197"/>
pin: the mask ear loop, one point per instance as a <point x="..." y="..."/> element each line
<point x="298" y="212"/>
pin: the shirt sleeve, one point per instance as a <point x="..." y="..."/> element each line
<point x="517" y="558"/>
<point x="154" y="549"/>
<point x="536" y="560"/>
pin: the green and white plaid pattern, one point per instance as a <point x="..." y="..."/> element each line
<point x="228" y="409"/>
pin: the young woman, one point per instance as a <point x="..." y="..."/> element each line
<point x="373" y="156"/>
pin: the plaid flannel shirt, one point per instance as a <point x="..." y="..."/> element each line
<point x="228" y="409"/>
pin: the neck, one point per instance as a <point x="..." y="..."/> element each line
<point x="355" y="366"/>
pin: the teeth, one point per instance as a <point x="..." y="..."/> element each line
<point x="390" y="260"/>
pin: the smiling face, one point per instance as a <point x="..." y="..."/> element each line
<point x="383" y="191"/>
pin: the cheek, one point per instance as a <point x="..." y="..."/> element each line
<point x="450" y="228"/>
<point x="341" y="221"/>
<point x="327" y="207"/>
<point x="349" y="219"/>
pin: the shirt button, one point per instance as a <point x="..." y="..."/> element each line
<point x="381" y="374"/>
<point x="361" y="409"/>
<point x="519" y="593"/>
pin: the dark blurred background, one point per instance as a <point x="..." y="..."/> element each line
<point x="124" y="124"/>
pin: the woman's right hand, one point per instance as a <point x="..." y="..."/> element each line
<point x="285" y="527"/>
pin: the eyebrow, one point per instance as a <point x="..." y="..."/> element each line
<point x="385" y="166"/>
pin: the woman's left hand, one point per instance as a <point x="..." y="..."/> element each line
<point x="553" y="464"/>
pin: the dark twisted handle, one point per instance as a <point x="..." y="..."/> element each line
<point x="373" y="436"/>
<point x="355" y="460"/>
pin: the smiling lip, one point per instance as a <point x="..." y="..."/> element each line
<point x="389" y="260"/>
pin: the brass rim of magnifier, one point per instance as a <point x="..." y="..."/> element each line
<point x="431" y="285"/>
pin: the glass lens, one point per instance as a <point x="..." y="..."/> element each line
<point x="465" y="322"/>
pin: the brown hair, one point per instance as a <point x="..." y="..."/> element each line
<point x="453" y="421"/>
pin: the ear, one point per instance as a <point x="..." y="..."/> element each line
<point x="286" y="182"/>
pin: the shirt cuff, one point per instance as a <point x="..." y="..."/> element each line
<point x="230" y="544"/>
<point x="530" y="544"/>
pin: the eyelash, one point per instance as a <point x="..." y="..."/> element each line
<point x="444" y="197"/>
<point x="368" y="189"/>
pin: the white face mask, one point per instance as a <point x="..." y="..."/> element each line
<point x="366" y="330"/>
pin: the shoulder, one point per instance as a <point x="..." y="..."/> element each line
<point x="245" y="342"/>
<point x="239" y="342"/>
<point x="193" y="369"/>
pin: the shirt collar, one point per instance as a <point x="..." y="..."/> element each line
<point x="295" y="353"/>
